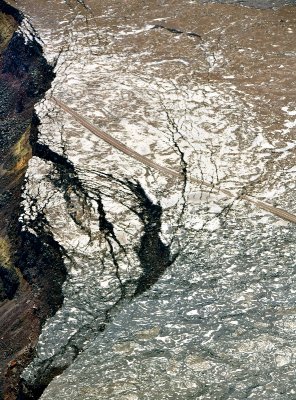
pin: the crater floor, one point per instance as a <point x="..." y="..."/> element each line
<point x="174" y="289"/>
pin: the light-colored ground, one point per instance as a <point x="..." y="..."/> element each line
<point x="207" y="89"/>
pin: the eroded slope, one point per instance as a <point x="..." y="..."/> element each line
<point x="25" y="297"/>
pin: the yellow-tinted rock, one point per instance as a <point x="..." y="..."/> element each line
<point x="7" y="28"/>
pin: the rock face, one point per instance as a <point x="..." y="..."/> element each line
<point x="26" y="260"/>
<point x="174" y="289"/>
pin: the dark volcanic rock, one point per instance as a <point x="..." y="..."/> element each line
<point x="27" y="294"/>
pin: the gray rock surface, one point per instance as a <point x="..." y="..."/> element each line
<point x="220" y="324"/>
<point x="174" y="289"/>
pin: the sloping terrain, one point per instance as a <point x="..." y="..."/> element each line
<point x="25" y="298"/>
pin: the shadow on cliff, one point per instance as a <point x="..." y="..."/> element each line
<point x="32" y="270"/>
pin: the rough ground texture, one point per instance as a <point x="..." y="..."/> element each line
<point x="26" y="260"/>
<point x="173" y="290"/>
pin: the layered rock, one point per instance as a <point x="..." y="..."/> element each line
<point x="25" y="260"/>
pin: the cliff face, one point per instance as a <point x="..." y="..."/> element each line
<point x="24" y="258"/>
<point x="8" y="283"/>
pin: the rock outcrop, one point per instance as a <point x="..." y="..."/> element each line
<point x="31" y="266"/>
